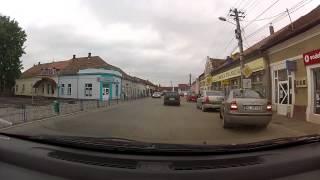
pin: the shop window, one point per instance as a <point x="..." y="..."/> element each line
<point x="316" y="75"/>
<point x="88" y="89"/>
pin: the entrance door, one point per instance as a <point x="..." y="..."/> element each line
<point x="105" y="93"/>
<point x="283" y="97"/>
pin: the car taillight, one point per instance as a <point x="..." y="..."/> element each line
<point x="233" y="105"/>
<point x="269" y="106"/>
<point x="207" y="99"/>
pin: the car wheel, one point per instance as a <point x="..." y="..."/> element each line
<point x="225" y="124"/>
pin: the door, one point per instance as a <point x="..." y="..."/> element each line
<point x="283" y="97"/>
<point x="105" y="93"/>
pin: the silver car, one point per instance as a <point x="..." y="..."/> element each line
<point x="210" y="100"/>
<point x="245" y="107"/>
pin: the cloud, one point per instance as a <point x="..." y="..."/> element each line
<point x="159" y="40"/>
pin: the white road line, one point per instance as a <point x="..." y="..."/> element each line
<point x="5" y="122"/>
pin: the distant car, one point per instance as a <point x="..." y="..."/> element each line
<point x="210" y="100"/>
<point x="192" y="97"/>
<point x="156" y="95"/>
<point x="171" y="98"/>
<point x="245" y="107"/>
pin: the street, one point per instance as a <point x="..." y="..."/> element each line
<point x="150" y="121"/>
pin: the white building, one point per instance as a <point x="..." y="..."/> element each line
<point x="78" y="78"/>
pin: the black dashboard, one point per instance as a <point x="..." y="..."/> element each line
<point x="21" y="159"/>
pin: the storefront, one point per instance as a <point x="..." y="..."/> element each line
<point x="312" y="63"/>
<point x="230" y="78"/>
<point x="283" y="89"/>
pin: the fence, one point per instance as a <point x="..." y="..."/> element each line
<point x="25" y="113"/>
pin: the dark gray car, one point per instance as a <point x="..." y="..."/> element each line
<point x="246" y="107"/>
<point x="171" y="98"/>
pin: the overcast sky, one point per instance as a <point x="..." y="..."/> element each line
<point x="159" y="40"/>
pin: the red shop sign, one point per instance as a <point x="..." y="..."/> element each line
<point x="312" y="57"/>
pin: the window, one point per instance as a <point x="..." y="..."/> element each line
<point x="69" y="89"/>
<point x="88" y="89"/>
<point x="22" y="88"/>
<point x="48" y="89"/>
<point x="246" y="93"/>
<point x="52" y="89"/>
<point x="117" y="90"/>
<point x="43" y="89"/>
<point x="62" y="89"/>
<point x="17" y="88"/>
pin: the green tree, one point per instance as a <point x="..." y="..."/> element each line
<point x="12" y="38"/>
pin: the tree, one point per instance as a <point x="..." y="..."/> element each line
<point x="12" y="39"/>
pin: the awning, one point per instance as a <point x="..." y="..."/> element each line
<point x="47" y="81"/>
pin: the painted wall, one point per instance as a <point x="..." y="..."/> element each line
<point x="28" y="84"/>
<point x="73" y="80"/>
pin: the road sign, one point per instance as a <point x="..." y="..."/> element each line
<point x="247" y="71"/>
<point x="246" y="83"/>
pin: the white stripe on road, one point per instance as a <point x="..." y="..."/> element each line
<point x="5" y="122"/>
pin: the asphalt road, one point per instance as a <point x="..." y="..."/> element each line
<point x="149" y="120"/>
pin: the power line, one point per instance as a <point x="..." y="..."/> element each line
<point x="281" y="16"/>
<point x="269" y="7"/>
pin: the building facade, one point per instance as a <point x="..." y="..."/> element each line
<point x="80" y="78"/>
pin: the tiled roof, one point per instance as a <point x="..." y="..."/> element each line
<point x="36" y="69"/>
<point x="72" y="66"/>
<point x="216" y="62"/>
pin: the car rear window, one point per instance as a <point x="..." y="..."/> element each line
<point x="247" y="93"/>
<point x="171" y="94"/>
<point x="215" y="93"/>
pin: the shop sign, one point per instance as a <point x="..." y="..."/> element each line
<point x="256" y="65"/>
<point x="105" y="79"/>
<point x="312" y="57"/>
<point x="225" y="82"/>
<point x="246" y="83"/>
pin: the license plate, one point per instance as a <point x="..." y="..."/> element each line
<point x="171" y="99"/>
<point x="253" y="108"/>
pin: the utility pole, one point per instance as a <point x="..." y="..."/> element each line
<point x="237" y="15"/>
<point x="290" y="19"/>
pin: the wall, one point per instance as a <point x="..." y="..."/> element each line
<point x="73" y="80"/>
<point x="83" y="79"/>
<point x="28" y="83"/>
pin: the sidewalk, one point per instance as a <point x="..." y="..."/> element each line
<point x="301" y="126"/>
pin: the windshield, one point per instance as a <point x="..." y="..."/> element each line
<point x="161" y="71"/>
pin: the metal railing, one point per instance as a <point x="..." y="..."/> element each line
<point x="17" y="114"/>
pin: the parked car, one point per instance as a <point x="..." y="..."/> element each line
<point x="171" y="98"/>
<point x="156" y="95"/>
<point x="246" y="107"/>
<point x="210" y="100"/>
<point x="192" y="97"/>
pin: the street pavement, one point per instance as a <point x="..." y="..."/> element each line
<point x="150" y="121"/>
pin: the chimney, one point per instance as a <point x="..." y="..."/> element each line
<point x="89" y="55"/>
<point x="271" y="29"/>
<point x="39" y="63"/>
<point x="74" y="56"/>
